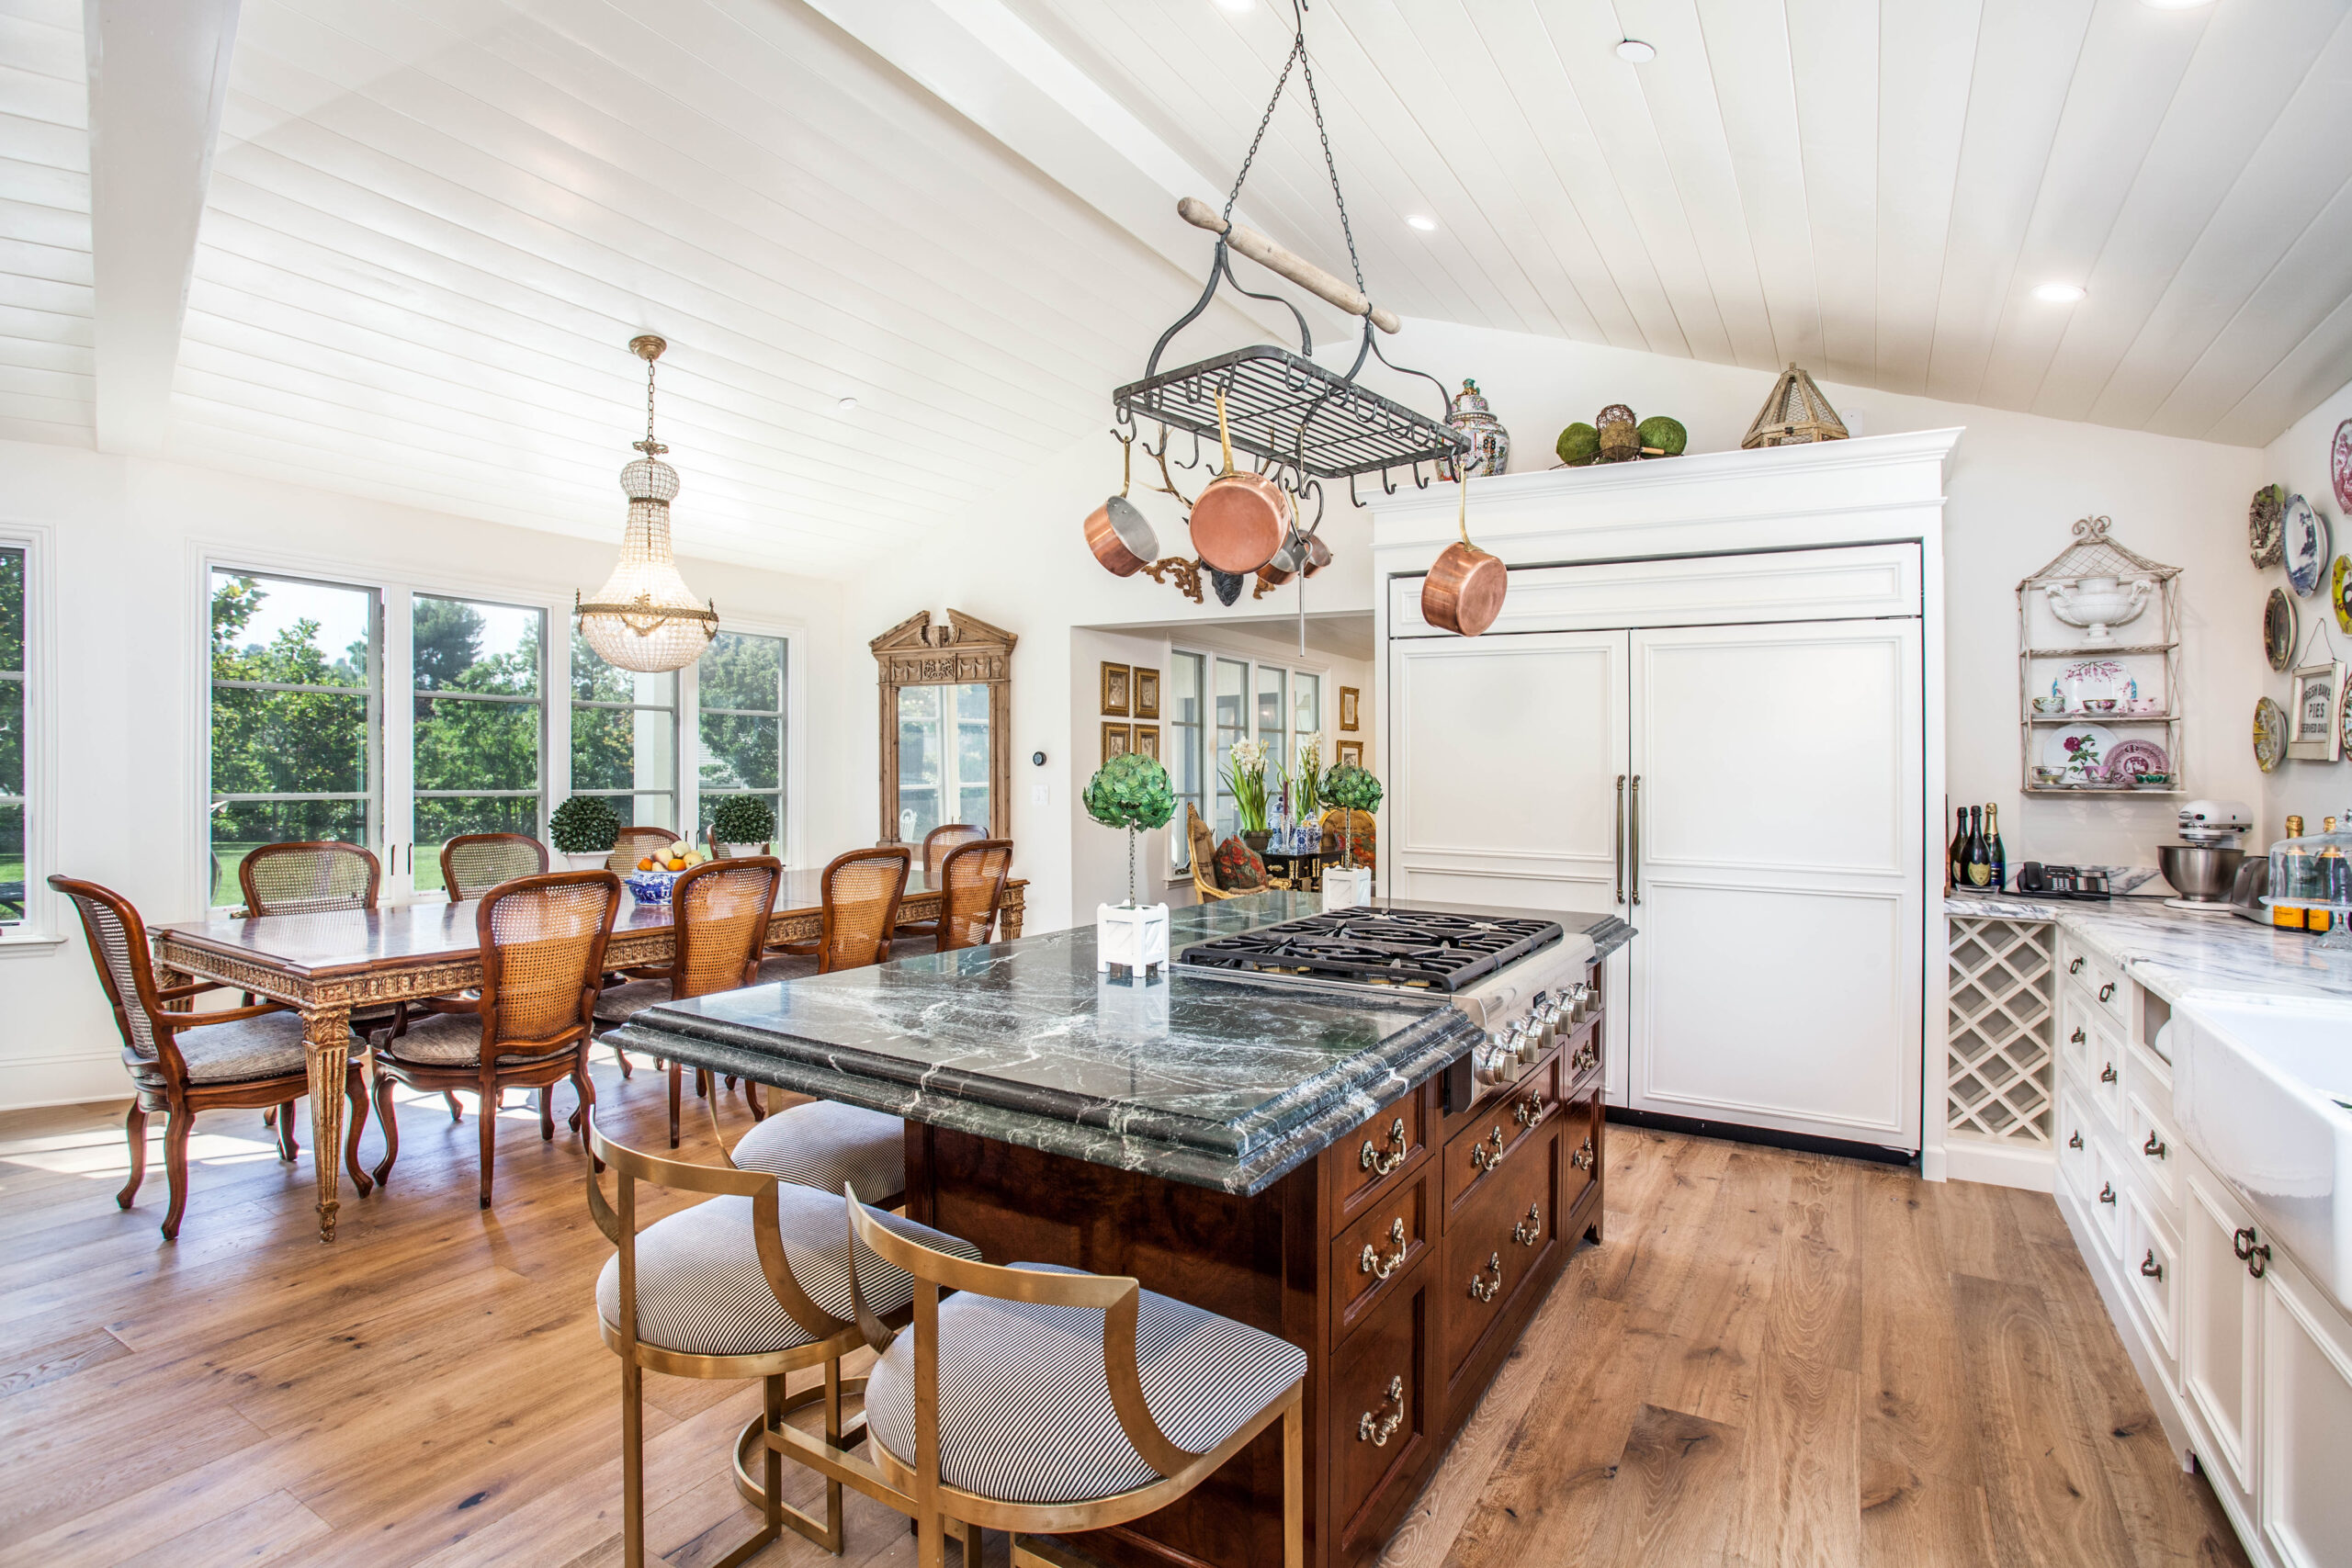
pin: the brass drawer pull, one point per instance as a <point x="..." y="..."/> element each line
<point x="1529" y="1231"/>
<point x="2258" y="1260"/>
<point x="1483" y="1289"/>
<point x="2075" y="967"/>
<point x="2107" y="1192"/>
<point x="1480" y="1159"/>
<point x="1377" y="1433"/>
<point x="1582" y="1158"/>
<point x="2106" y="991"/>
<point x="1381" y="1267"/>
<point x="2152" y="1148"/>
<point x="2242" y="1242"/>
<point x="2074" y="1139"/>
<point x="1587" y="1056"/>
<point x="1381" y="1163"/>
<point x="2150" y="1268"/>
<point x="2107" y="1073"/>
<point x="1528" y="1112"/>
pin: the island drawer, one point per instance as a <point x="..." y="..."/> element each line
<point x="1581" y="1056"/>
<point x="1383" y="1416"/>
<point x="1494" y="1242"/>
<point x="1377" y="1154"/>
<point x="1484" y="1143"/>
<point x="1376" y="1256"/>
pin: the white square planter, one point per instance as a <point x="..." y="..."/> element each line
<point x="1131" y="937"/>
<point x="1344" y="889"/>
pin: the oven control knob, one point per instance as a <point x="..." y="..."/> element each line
<point x="1486" y="1059"/>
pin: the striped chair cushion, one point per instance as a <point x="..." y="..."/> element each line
<point x="619" y="1004"/>
<point x="1025" y="1403"/>
<point x="700" y="1291"/>
<point x="452" y="1040"/>
<point x="269" y="1046"/>
<point x="824" y="1143"/>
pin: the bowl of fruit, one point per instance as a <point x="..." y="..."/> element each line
<point x="656" y="873"/>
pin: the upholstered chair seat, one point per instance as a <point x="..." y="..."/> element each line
<point x="619" y="1004"/>
<point x="269" y="1046"/>
<point x="824" y="1143"/>
<point x="454" y="1040"/>
<point x="700" y="1291"/>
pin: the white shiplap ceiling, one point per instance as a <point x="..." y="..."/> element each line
<point x="432" y="225"/>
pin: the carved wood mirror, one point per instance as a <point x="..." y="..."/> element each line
<point x="946" y="726"/>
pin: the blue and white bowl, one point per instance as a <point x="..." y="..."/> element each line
<point x="649" y="886"/>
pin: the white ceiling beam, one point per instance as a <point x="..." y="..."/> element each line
<point x="983" y="60"/>
<point x="159" y="73"/>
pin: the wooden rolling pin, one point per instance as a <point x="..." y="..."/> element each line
<point x="1272" y="257"/>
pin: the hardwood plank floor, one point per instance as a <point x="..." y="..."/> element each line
<point x="1776" y="1358"/>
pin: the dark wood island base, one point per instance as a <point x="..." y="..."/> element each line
<point x="1408" y="1259"/>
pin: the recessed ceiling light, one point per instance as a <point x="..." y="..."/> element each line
<point x="2058" y="293"/>
<point x="1420" y="220"/>
<point x="847" y="405"/>
<point x="1636" y="52"/>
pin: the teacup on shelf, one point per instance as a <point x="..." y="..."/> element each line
<point x="2049" y="705"/>
<point x="2144" y="704"/>
<point x="2098" y="704"/>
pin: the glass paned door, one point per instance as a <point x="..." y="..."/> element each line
<point x="1232" y="724"/>
<point x="625" y="737"/>
<point x="941" y="771"/>
<point x="12" y="737"/>
<point x="480" y="718"/>
<point x="740" y="684"/>
<point x="1187" y="769"/>
<point x="294" y="717"/>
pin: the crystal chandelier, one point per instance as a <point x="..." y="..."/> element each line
<point x="645" y="617"/>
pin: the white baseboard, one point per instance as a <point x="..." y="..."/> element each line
<point x="1999" y="1165"/>
<point x="29" y="1082"/>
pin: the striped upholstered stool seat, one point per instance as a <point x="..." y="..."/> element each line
<point x="700" y="1290"/>
<point x="825" y="1144"/>
<point x="1025" y="1402"/>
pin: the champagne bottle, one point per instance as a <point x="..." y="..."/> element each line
<point x="2334" y="870"/>
<point x="1979" y="865"/>
<point x="1997" y="858"/>
<point x="1956" y="873"/>
<point x="2294" y="879"/>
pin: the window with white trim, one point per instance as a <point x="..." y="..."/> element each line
<point x="16" y="714"/>
<point x="741" y="735"/>
<point x="625" y="737"/>
<point x="1232" y="699"/>
<point x="479" y="745"/>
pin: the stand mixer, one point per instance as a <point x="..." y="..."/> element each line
<point x="2204" y="866"/>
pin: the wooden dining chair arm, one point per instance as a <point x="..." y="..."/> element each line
<point x="226" y="1015"/>
<point x="193" y="988"/>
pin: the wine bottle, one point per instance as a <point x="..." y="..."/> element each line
<point x="2334" y="870"/>
<point x="1997" y="858"/>
<point x="1956" y="875"/>
<point x="2294" y="879"/>
<point x="1979" y="865"/>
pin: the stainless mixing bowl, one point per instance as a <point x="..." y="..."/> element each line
<point x="2200" y="872"/>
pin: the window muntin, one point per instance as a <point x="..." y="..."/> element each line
<point x="740" y="694"/>
<point x="478" y="749"/>
<point x="15" y="712"/>
<point x="625" y="737"/>
<point x="1232" y="716"/>
<point x="295" y="716"/>
<point x="943" y="758"/>
<point x="1187" y="765"/>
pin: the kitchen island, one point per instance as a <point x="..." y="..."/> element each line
<point x="1288" y="1156"/>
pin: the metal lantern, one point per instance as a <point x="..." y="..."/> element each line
<point x="645" y="617"/>
<point x="1795" y="414"/>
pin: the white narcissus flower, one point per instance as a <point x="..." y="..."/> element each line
<point x="1311" y="745"/>
<point x="1249" y="754"/>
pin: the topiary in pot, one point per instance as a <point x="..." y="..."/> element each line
<point x="1352" y="789"/>
<point x="742" y="820"/>
<point x="584" y="825"/>
<point x="1130" y="791"/>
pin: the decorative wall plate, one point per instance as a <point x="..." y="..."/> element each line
<point x="2306" y="546"/>
<point x="2339" y="592"/>
<point x="2093" y="680"/>
<point x="2261" y="539"/>
<point x="2279" y="629"/>
<point x="2128" y="758"/>
<point x="2343" y="712"/>
<point x="2270" y="734"/>
<point x="2339" y="464"/>
<point x="2078" y="750"/>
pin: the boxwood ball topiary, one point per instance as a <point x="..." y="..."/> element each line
<point x="1578" y="445"/>
<point x="1352" y="788"/>
<point x="1663" y="435"/>
<point x="742" y="819"/>
<point x="584" y="825"/>
<point x="1130" y="791"/>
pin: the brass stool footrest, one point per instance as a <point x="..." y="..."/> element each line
<point x="748" y="1441"/>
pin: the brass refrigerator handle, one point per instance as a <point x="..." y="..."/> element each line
<point x="1634" y="839"/>
<point x="1618" y="841"/>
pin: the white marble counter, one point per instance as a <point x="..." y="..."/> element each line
<point x="2177" y="955"/>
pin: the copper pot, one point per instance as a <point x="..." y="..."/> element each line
<point x="1120" y="535"/>
<point x="1318" y="554"/>
<point x="1463" y="592"/>
<point x="1239" y="519"/>
<point x="1287" y="563"/>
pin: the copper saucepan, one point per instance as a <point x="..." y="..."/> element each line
<point x="1239" y="519"/>
<point x="1120" y="535"/>
<point x="1463" y="592"/>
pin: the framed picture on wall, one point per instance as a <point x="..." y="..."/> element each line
<point x="1117" y="741"/>
<point x="1146" y="740"/>
<point x="1351" y="753"/>
<point x="1146" y="693"/>
<point x="2314" y="734"/>
<point x="1114" y="689"/>
<point x="1349" y="704"/>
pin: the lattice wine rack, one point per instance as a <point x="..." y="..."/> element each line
<point x="1998" y="1080"/>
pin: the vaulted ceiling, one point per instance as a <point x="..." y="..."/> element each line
<point x="431" y="226"/>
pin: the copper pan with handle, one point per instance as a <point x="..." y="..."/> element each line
<point x="1239" y="519"/>
<point x="1120" y="535"/>
<point x="1463" y="592"/>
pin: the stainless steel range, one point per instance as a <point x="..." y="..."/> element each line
<point x="1521" y="979"/>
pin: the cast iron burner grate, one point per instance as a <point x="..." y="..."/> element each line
<point x="1387" y="947"/>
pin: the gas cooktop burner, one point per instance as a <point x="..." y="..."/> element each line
<point x="1382" y="947"/>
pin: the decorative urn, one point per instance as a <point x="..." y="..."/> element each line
<point x="1489" y="441"/>
<point x="2099" y="604"/>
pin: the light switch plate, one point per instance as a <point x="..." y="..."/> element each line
<point x="1038" y="795"/>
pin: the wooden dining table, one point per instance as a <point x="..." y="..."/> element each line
<point x="324" y="965"/>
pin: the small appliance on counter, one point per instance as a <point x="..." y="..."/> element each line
<point x="2061" y="881"/>
<point x="2203" y="867"/>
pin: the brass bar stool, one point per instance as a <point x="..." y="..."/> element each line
<point x="760" y="1282"/>
<point x="1045" y="1400"/>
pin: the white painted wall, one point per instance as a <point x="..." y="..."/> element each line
<point x="2298" y="460"/>
<point x="118" y="632"/>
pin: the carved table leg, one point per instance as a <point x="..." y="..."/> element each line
<point x="1009" y="913"/>
<point x="326" y="1041"/>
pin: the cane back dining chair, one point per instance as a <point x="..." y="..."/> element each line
<point x="1043" y="1400"/>
<point x="719" y="913"/>
<point x="937" y="845"/>
<point x="635" y="845"/>
<point x="860" y="893"/>
<point x="473" y="864"/>
<point x="182" y="1062"/>
<point x="760" y="1279"/>
<point x="308" y="878"/>
<point x="1203" y="847"/>
<point x="971" y="883"/>
<point x="542" y="964"/>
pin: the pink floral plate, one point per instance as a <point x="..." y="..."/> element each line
<point x="2128" y="758"/>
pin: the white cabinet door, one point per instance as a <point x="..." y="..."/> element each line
<point x="1508" y="760"/>
<point x="1778" y="975"/>
<point x="2306" y="1422"/>
<point x="2221" y="1311"/>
